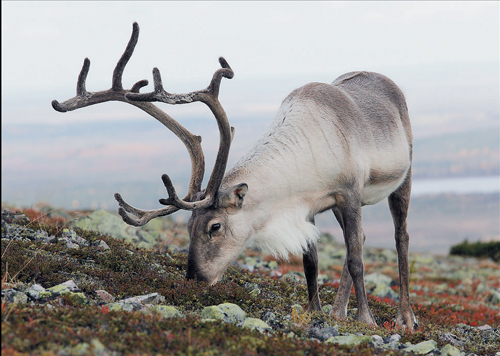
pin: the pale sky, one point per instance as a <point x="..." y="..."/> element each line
<point x="273" y="47"/>
<point x="444" y="55"/>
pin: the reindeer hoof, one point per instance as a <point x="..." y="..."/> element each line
<point x="366" y="317"/>
<point x="406" y="319"/>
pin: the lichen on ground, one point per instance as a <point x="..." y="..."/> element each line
<point x="94" y="314"/>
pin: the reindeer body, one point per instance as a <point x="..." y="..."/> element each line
<point x="324" y="140"/>
<point x="338" y="146"/>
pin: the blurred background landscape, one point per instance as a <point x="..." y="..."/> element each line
<point x="445" y="58"/>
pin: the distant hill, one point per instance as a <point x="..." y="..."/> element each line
<point x="435" y="222"/>
<point x="462" y="154"/>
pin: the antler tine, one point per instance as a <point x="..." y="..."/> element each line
<point x="120" y="66"/>
<point x="159" y="94"/>
<point x="117" y="93"/>
<point x="225" y="72"/>
<point x="84" y="98"/>
<point x="144" y="216"/>
<point x="81" y="91"/>
<point x="209" y="96"/>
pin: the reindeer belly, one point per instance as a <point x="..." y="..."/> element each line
<point x="386" y="176"/>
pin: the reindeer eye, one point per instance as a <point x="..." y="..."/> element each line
<point x="214" y="228"/>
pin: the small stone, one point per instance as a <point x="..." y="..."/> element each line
<point x="484" y="327"/>
<point x="350" y="340"/>
<point x="453" y="339"/>
<point x="233" y="312"/>
<point x="256" y="324"/>
<point x="118" y="306"/>
<point x="377" y="340"/>
<point x="212" y="312"/>
<point x="73" y="237"/>
<point x="71" y="244"/>
<point x="450" y="350"/>
<point x="104" y="296"/>
<point x="14" y="296"/>
<point x="36" y="291"/>
<point x="102" y="245"/>
<point x="228" y="312"/>
<point x="66" y="287"/>
<point x="153" y="298"/>
<point x="42" y="236"/>
<point x="323" y="334"/>
<point x="290" y="277"/>
<point x="167" y="311"/>
<point x="422" y="348"/>
<point x="392" y="338"/>
<point x="272" y="320"/>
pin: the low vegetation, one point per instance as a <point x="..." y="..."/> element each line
<point x="65" y="325"/>
<point x="478" y="249"/>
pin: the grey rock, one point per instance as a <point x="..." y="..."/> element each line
<point x="36" y="292"/>
<point x="379" y="285"/>
<point x="450" y="350"/>
<point x="111" y="224"/>
<point x="102" y="245"/>
<point x="291" y="277"/>
<point x="422" y="348"/>
<point x="14" y="296"/>
<point x="66" y="287"/>
<point x="349" y="340"/>
<point x="153" y="298"/>
<point x="228" y="312"/>
<point x="166" y="311"/>
<point x="451" y="338"/>
<point x="392" y="338"/>
<point x="272" y="319"/>
<point x="70" y="244"/>
<point x="41" y="236"/>
<point x="126" y="306"/>
<point x="323" y="334"/>
<point x="255" y="324"/>
<point x="74" y="238"/>
<point x="377" y="340"/>
<point x="104" y="296"/>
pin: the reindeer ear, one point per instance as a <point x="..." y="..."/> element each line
<point x="233" y="197"/>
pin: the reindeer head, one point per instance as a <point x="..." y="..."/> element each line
<point x="216" y="236"/>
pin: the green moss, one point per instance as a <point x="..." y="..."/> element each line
<point x="125" y="270"/>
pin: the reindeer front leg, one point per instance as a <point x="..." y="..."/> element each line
<point x="350" y="212"/>
<point x="310" y="260"/>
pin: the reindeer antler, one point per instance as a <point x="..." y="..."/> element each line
<point x="84" y="98"/>
<point x="209" y="96"/>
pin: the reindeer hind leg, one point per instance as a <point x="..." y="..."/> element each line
<point x="399" y="202"/>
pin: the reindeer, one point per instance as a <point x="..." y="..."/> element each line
<point x="336" y="146"/>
